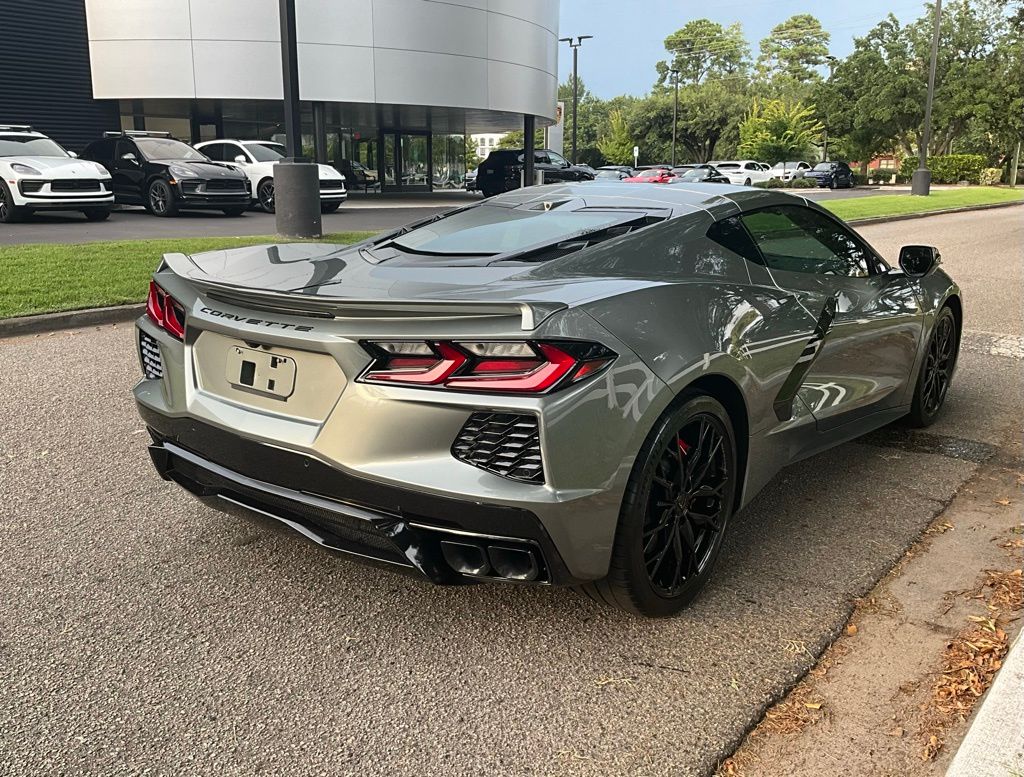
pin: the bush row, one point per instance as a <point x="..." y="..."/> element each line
<point x="951" y="168"/>
<point x="796" y="183"/>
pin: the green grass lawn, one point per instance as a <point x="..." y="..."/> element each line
<point x="904" y="204"/>
<point x="43" y="277"/>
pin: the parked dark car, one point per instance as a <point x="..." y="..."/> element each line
<point x="614" y="173"/>
<point x="502" y="170"/>
<point x="165" y="175"/>
<point x="698" y="174"/>
<point x="834" y="175"/>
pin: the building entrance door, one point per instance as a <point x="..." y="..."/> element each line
<point x="407" y="162"/>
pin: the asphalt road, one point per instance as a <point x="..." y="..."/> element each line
<point x="141" y="633"/>
<point x="359" y="214"/>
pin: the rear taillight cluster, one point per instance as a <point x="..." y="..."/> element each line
<point x="165" y="311"/>
<point x="520" y="367"/>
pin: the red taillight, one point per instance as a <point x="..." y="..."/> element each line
<point x="488" y="367"/>
<point x="165" y="311"/>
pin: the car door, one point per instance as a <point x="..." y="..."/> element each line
<point x="129" y="173"/>
<point x="870" y="319"/>
<point x="560" y="169"/>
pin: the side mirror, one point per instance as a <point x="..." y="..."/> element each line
<point x="72" y="154"/>
<point x="129" y="157"/>
<point x="241" y="159"/>
<point x="918" y="261"/>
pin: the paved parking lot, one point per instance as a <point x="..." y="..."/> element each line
<point x="142" y="633"/>
<point x="361" y="213"/>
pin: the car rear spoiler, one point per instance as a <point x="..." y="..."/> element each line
<point x="530" y="314"/>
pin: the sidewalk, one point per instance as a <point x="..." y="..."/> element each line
<point x="994" y="745"/>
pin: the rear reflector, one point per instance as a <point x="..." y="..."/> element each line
<point x="523" y="367"/>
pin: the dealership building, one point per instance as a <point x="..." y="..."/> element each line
<point x="389" y="88"/>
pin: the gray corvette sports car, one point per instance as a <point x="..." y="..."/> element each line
<point x="573" y="384"/>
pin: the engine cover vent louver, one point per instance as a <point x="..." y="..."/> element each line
<point x="505" y="444"/>
<point x="149" y="351"/>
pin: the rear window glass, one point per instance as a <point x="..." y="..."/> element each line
<point x="729" y="166"/>
<point x="488" y="230"/>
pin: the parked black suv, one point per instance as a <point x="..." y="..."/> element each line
<point x="166" y="175"/>
<point x="834" y="175"/>
<point x="502" y="169"/>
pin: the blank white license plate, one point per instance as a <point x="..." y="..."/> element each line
<point x="261" y="372"/>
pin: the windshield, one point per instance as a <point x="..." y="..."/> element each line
<point x="488" y="230"/>
<point x="168" y="148"/>
<point x="694" y="175"/>
<point x="823" y="166"/>
<point x="656" y="173"/>
<point x="29" y="145"/>
<point x="266" y="152"/>
<point x="608" y="174"/>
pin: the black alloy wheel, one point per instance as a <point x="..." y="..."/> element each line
<point x="937" y="370"/>
<point x="160" y="199"/>
<point x="8" y="212"/>
<point x="265" y="195"/>
<point x="686" y="510"/>
<point x="680" y="497"/>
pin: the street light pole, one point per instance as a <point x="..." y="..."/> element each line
<point x="921" y="182"/>
<point x="675" y="114"/>
<point x="574" y="44"/>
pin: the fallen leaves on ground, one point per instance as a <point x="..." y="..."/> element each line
<point x="1007" y="589"/>
<point x="793" y="714"/>
<point x="971" y="660"/>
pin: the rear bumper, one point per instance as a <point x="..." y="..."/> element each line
<point x="421" y="533"/>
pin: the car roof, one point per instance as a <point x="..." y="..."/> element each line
<point x="719" y="200"/>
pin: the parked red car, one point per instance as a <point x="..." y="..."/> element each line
<point x="654" y="175"/>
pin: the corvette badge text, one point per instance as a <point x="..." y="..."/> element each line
<point x="255" y="321"/>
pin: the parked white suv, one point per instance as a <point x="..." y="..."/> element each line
<point x="256" y="158"/>
<point x="37" y="174"/>
<point x="787" y="171"/>
<point x="743" y="172"/>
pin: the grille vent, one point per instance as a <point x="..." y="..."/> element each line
<point x="149" y="351"/>
<point x="503" y="443"/>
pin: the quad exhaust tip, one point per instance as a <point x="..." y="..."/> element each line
<point x="504" y="562"/>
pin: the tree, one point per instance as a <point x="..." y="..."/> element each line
<point x="472" y="157"/>
<point x="794" y="49"/>
<point x="616" y="146"/>
<point x="708" y="112"/>
<point x="703" y="50"/>
<point x="776" y="131"/>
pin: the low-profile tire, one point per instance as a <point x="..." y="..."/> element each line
<point x="678" y="502"/>
<point x="936" y="371"/>
<point x="265" y="195"/>
<point x="235" y="211"/>
<point x="9" y="212"/>
<point x="329" y="207"/>
<point x="96" y="214"/>
<point x="160" y="198"/>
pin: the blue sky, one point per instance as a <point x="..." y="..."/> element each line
<point x="629" y="35"/>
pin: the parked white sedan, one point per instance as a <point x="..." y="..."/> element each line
<point x="256" y="158"/>
<point x="743" y="172"/>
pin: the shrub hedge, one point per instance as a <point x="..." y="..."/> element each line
<point x="951" y="168"/>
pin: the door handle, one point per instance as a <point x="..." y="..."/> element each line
<point x="783" y="404"/>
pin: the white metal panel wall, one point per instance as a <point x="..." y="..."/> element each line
<point x="496" y="55"/>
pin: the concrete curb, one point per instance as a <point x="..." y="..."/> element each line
<point x="944" y="212"/>
<point x="994" y="745"/>
<point x="72" y="319"/>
